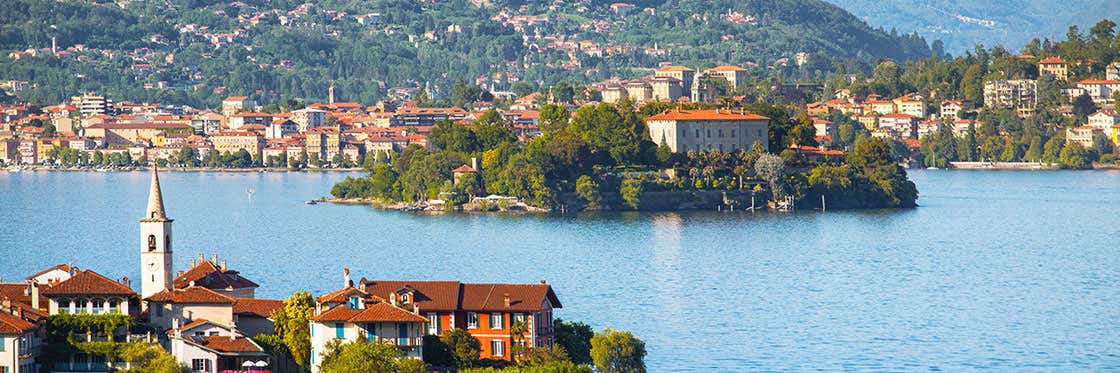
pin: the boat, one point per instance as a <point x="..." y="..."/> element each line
<point x="311" y="202"/>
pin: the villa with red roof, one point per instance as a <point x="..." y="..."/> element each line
<point x="721" y="129"/>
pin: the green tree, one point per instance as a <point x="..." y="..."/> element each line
<point x="553" y="118"/>
<point x="292" y="324"/>
<point x="618" y="352"/>
<point x="1034" y="152"/>
<point x="631" y="191"/>
<point x="1074" y="155"/>
<point x="1051" y="152"/>
<point x="464" y="347"/>
<point x="588" y="189"/>
<point x="575" y="338"/>
<point x="361" y="355"/>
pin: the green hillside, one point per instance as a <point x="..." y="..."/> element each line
<point x="196" y="51"/>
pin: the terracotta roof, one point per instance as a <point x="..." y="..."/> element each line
<point x="898" y="115"/>
<point x="257" y="307"/>
<point x="1052" y="60"/>
<point x="728" y="68"/>
<point x="706" y="115"/>
<point x="1098" y="81"/>
<point x="523" y="297"/>
<point x="343" y="295"/>
<point x="374" y="312"/>
<point x="193" y="294"/>
<point x="674" y="68"/>
<point x="210" y="276"/>
<point x="429" y="295"/>
<point x="464" y="169"/>
<point x="11" y="324"/>
<point x="235" y="98"/>
<point x="228" y="344"/>
<point x="15" y="291"/>
<point x="88" y="282"/>
<point x="140" y="125"/>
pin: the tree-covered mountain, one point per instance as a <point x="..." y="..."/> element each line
<point x="196" y="51"/>
<point x="961" y="24"/>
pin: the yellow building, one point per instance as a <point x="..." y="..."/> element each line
<point x="324" y="141"/>
<point x="1054" y="66"/>
<point x="683" y="74"/>
<point x="736" y="76"/>
<point x="231" y="142"/>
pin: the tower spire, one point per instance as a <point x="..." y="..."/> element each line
<point x="155" y="210"/>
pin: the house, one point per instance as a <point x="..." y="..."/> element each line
<point x="1018" y="94"/>
<point x="86" y="291"/>
<point x="1055" y="66"/>
<point x="233" y="141"/>
<point x="1104" y="119"/>
<point x="666" y="89"/>
<point x="1112" y="71"/>
<point x="821" y="126"/>
<point x="1082" y="135"/>
<point x="951" y="108"/>
<point x="214" y="275"/>
<point x="206" y="346"/>
<point x="905" y="125"/>
<point x="912" y="105"/>
<point x="236" y="104"/>
<point x="240" y="120"/>
<point x="639" y="91"/>
<point x="308" y="118"/>
<point x="253" y="316"/>
<point x="695" y="130"/>
<point x="682" y="74"/>
<point x="349" y="313"/>
<point x="20" y="339"/>
<point x="736" y="76"/>
<point x="173" y="307"/>
<point x="487" y="311"/>
<point x="613" y="94"/>
<point x="1100" y="90"/>
<point x="324" y="141"/>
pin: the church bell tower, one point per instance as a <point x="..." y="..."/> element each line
<point x="155" y="243"/>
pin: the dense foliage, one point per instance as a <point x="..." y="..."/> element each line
<point x="293" y="327"/>
<point x="615" y="351"/>
<point x="361" y="355"/>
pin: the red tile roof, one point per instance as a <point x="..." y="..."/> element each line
<point x="1052" y="60"/>
<point x="193" y="294"/>
<point x="257" y="307"/>
<point x="464" y="169"/>
<point x="16" y="291"/>
<point x="228" y="344"/>
<point x="718" y="114"/>
<point x="88" y="282"/>
<point x="523" y="297"/>
<point x="11" y="324"/>
<point x="429" y="295"/>
<point x="1098" y="81"/>
<point x="343" y="295"/>
<point x="210" y="276"/>
<point x="374" y="312"/>
<point x="140" y="125"/>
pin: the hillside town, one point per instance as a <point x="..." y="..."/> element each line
<point x="95" y="131"/>
<point x="207" y="315"/>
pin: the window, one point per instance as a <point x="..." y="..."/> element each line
<point x="497" y="320"/>
<point x="200" y="365"/>
<point x="498" y="348"/>
<point x="2" y="342"/>
<point x="732" y="133"/>
<point x="433" y="323"/>
<point x="760" y="133"/>
<point x="720" y="132"/>
<point x="697" y="133"/>
<point x="159" y="310"/>
<point x="152" y="241"/>
<point x="354" y="303"/>
<point x="200" y="334"/>
<point x="709" y="132"/>
<point x="339" y="330"/>
<point x="472" y="320"/>
<point x="167" y="243"/>
<point x="519" y="317"/>
<point x="213" y="334"/>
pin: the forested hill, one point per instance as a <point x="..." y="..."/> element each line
<point x="197" y="51"/>
<point x="962" y="24"/>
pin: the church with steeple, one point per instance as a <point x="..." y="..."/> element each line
<point x="155" y="243"/>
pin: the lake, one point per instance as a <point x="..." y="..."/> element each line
<point x="997" y="270"/>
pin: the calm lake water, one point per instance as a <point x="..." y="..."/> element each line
<point x="1005" y="271"/>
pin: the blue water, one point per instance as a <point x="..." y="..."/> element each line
<point x="1003" y="271"/>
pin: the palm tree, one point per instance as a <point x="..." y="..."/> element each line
<point x="517" y="332"/>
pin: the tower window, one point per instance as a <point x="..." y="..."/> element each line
<point x="151" y="242"/>
<point x="167" y="243"/>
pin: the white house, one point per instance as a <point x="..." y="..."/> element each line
<point x="206" y="346"/>
<point x="19" y="341"/>
<point x="361" y="315"/>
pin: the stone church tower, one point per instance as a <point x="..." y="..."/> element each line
<point x="155" y="243"/>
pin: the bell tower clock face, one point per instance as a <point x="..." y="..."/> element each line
<point x="152" y="264"/>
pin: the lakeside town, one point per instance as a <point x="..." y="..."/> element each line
<point x="93" y="131"/>
<point x="205" y="317"/>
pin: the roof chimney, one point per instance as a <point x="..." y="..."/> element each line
<point x="223" y="265"/>
<point x="474" y="163"/>
<point x="192" y="265"/>
<point x="201" y="258"/>
<point x="180" y="273"/>
<point x="190" y="284"/>
<point x="505" y="299"/>
<point x="6" y="303"/>
<point x="346" y="282"/>
<point x="214" y="258"/>
<point x="543" y="282"/>
<point x="35" y="295"/>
